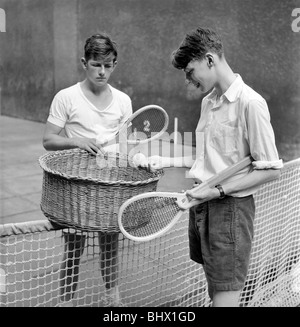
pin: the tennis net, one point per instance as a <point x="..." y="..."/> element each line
<point x="157" y="273"/>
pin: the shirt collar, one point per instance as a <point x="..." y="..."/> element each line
<point x="232" y="92"/>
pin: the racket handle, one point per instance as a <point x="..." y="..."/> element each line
<point x="185" y="203"/>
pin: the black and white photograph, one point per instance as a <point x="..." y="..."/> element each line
<point x="149" y="156"/>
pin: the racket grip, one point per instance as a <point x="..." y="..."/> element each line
<point x="185" y="203"/>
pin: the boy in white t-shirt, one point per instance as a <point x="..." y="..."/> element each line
<point x="90" y="112"/>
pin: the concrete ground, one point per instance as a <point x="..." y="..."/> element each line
<point x="21" y="175"/>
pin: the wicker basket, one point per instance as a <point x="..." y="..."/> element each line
<point x="85" y="191"/>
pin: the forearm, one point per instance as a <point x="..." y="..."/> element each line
<point x="57" y="142"/>
<point x="177" y="161"/>
<point x="183" y="161"/>
<point x="255" y="178"/>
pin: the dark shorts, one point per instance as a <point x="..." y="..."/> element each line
<point x="220" y="238"/>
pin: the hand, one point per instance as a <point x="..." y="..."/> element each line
<point x="87" y="144"/>
<point x="155" y="162"/>
<point x="158" y="162"/>
<point x="205" y="193"/>
<point x="151" y="163"/>
<point x="196" y="184"/>
<point x="140" y="160"/>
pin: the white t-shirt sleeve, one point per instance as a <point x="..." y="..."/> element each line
<point x="126" y="109"/>
<point x="58" y="111"/>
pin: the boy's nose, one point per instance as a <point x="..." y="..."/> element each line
<point x="102" y="71"/>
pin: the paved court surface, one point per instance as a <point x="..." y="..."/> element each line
<point x="21" y="175"/>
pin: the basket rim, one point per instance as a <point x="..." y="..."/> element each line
<point x="42" y="162"/>
<point x="91" y="228"/>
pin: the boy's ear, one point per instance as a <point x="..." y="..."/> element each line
<point x="83" y="62"/>
<point x="210" y="59"/>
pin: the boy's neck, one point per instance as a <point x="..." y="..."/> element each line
<point x="225" y="78"/>
<point x="96" y="90"/>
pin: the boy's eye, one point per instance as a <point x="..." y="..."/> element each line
<point x="189" y="73"/>
<point x="105" y="66"/>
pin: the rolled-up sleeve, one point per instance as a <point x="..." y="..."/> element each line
<point x="261" y="137"/>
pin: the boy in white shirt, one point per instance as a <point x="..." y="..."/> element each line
<point x="234" y="123"/>
<point x="90" y="112"/>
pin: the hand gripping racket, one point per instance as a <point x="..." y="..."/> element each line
<point x="150" y="215"/>
<point x="144" y="125"/>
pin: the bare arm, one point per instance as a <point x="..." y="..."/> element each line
<point x="157" y="162"/>
<point x="52" y="141"/>
<point x="255" y="178"/>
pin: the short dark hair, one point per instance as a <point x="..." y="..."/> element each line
<point x="195" y="45"/>
<point x="99" y="46"/>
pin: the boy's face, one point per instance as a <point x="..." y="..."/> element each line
<point x="200" y="74"/>
<point x="98" y="70"/>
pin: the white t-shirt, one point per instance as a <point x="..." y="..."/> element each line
<point x="71" y="110"/>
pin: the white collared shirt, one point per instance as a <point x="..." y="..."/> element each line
<point x="230" y="128"/>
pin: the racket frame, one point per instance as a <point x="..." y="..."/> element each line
<point x="126" y="124"/>
<point x="178" y="196"/>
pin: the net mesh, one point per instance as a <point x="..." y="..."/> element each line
<point x="40" y="263"/>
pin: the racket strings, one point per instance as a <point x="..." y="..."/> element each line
<point x="147" y="124"/>
<point x="148" y="216"/>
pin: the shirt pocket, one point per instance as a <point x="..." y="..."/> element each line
<point x="224" y="138"/>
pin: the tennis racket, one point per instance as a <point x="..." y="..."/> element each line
<point x="144" y="125"/>
<point x="150" y="215"/>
